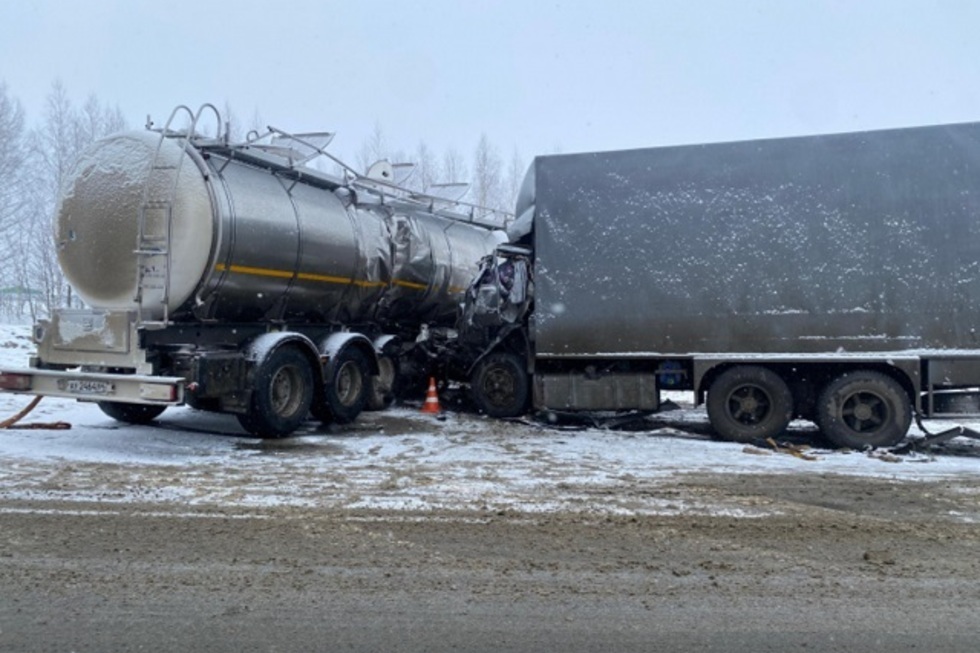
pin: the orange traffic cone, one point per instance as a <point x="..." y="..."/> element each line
<point x="431" y="405"/>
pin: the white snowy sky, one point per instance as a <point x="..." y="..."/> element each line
<point x="536" y="75"/>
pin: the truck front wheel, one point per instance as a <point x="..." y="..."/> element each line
<point x="281" y="394"/>
<point x="749" y="403"/>
<point x="864" y="409"/>
<point x="131" y="413"/>
<point x="500" y="385"/>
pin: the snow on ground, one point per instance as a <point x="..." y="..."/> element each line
<point x="401" y="459"/>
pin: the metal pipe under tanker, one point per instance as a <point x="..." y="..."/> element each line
<point x="241" y="243"/>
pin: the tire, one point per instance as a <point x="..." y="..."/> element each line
<point x="345" y="393"/>
<point x="282" y="393"/>
<point x="863" y="409"/>
<point x="381" y="387"/>
<point x="749" y="403"/>
<point x="131" y="413"/>
<point x="500" y="384"/>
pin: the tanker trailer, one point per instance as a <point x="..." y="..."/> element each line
<point x="834" y="278"/>
<point x="238" y="279"/>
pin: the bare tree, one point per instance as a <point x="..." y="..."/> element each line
<point x="232" y="125"/>
<point x="12" y="201"/>
<point x="55" y="142"/>
<point x="12" y="158"/>
<point x="55" y="145"/>
<point x="516" y="170"/>
<point x="487" y="183"/>
<point x="256" y="124"/>
<point x="426" y="168"/>
<point x="374" y="148"/>
<point x="454" y="168"/>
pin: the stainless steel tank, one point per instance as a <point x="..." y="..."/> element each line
<point x="248" y="242"/>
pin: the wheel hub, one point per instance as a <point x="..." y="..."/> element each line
<point x="282" y="391"/>
<point x="863" y="412"/>
<point x="748" y="404"/>
<point x="348" y="383"/>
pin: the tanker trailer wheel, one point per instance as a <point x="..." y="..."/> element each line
<point x="863" y="409"/>
<point x="346" y="391"/>
<point x="281" y="396"/>
<point x="749" y="403"/>
<point x="381" y="393"/>
<point x="131" y="413"/>
<point x="500" y="385"/>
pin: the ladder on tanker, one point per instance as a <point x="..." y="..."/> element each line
<point x="155" y="222"/>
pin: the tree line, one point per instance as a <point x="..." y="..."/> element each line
<point x="492" y="182"/>
<point x="34" y="162"/>
<point x="36" y="157"/>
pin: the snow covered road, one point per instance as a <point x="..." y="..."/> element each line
<point x="406" y="461"/>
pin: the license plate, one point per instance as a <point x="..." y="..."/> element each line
<point x="86" y="387"/>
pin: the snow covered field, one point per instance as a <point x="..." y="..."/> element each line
<point x="403" y="460"/>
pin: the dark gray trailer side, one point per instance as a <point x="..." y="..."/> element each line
<point x="832" y="277"/>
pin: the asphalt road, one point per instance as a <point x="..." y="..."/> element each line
<point x="885" y="568"/>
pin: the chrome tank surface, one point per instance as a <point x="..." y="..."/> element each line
<point x="97" y="220"/>
<point x="251" y="242"/>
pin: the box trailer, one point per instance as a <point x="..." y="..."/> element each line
<point x="834" y="278"/>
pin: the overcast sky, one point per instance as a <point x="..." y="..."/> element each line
<point x="536" y="75"/>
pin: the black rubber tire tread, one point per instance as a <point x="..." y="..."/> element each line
<point x="131" y="413"/>
<point x="500" y="385"/>
<point x="864" y="398"/>
<point x="749" y="403"/>
<point x="264" y="420"/>
<point x="344" y="409"/>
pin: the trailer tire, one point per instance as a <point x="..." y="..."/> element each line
<point x="863" y="409"/>
<point x="749" y="403"/>
<point x="131" y="413"/>
<point x="500" y="385"/>
<point x="346" y="391"/>
<point x="281" y="395"/>
<point x="381" y="392"/>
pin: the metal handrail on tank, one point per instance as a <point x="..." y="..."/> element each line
<point x="379" y="186"/>
<point x="145" y="242"/>
<point x="425" y="199"/>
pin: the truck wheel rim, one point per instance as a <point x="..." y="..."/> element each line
<point x="749" y="404"/>
<point x="349" y="383"/>
<point x="285" y="391"/>
<point x="865" y="412"/>
<point x="386" y="374"/>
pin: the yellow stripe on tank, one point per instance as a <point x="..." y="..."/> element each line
<point x="322" y="278"/>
